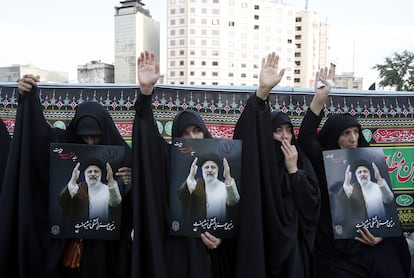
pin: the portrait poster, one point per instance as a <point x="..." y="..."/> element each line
<point x="201" y="198"/>
<point x="360" y="193"/>
<point x="400" y="163"/>
<point x="87" y="209"/>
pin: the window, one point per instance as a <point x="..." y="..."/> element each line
<point x="172" y="63"/>
<point x="256" y="7"/>
<point x="296" y="71"/>
<point x="296" y="80"/>
<point x="182" y="52"/>
<point x="214" y="63"/>
<point x="297" y="54"/>
<point x="214" y="73"/>
<point x="203" y="73"/>
<point x="182" y="42"/>
<point x="231" y="74"/>
<point x="192" y="63"/>
<point x="181" y="63"/>
<point x="203" y="63"/>
<point x="172" y="32"/>
<point x="172" y="73"/>
<point x="181" y="73"/>
<point x="231" y="23"/>
<point x="191" y="73"/>
<point x="297" y="63"/>
<point x="256" y="16"/>
<point x="243" y="75"/>
<point x="298" y="19"/>
<point x="256" y="27"/>
<point x="298" y="37"/>
<point x="298" y="28"/>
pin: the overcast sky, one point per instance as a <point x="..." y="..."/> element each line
<point x="60" y="35"/>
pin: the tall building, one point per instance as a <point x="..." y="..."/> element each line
<point x="222" y="42"/>
<point x="135" y="31"/>
<point x="14" y="72"/>
<point x="313" y="48"/>
<point x="96" y="72"/>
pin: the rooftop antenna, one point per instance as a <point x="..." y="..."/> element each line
<point x="306" y="5"/>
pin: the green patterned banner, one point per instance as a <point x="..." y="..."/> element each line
<point x="400" y="163"/>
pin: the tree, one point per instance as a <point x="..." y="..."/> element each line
<point x="397" y="71"/>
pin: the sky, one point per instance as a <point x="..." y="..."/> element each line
<point x="59" y="35"/>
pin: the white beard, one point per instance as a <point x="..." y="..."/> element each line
<point x="363" y="181"/>
<point x="210" y="178"/>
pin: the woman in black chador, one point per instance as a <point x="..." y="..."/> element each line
<point x="26" y="248"/>
<point x="366" y="255"/>
<point x="155" y="252"/>
<point x="279" y="192"/>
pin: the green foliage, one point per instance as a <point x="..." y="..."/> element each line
<point x="397" y="71"/>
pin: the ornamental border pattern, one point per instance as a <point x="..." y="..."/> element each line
<point x="387" y="117"/>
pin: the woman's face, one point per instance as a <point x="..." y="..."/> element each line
<point x="284" y="132"/>
<point x="193" y="132"/>
<point x="91" y="139"/>
<point x="349" y="138"/>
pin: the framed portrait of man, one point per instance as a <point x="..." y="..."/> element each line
<point x="360" y="193"/>
<point x="204" y="191"/>
<point x="85" y="198"/>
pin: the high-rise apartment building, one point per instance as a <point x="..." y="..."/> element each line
<point x="212" y="42"/>
<point x="135" y="31"/>
<point x="313" y="48"/>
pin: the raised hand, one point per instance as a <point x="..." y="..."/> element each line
<point x="109" y="175"/>
<point x="269" y="75"/>
<point x="193" y="170"/>
<point x="323" y="87"/>
<point x="148" y="72"/>
<point x="75" y="174"/>
<point x="27" y="82"/>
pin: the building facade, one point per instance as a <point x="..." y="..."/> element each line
<point x="14" y="72"/>
<point x="313" y="48"/>
<point x="96" y="72"/>
<point x="135" y="31"/>
<point x="223" y="42"/>
<point x="347" y="80"/>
